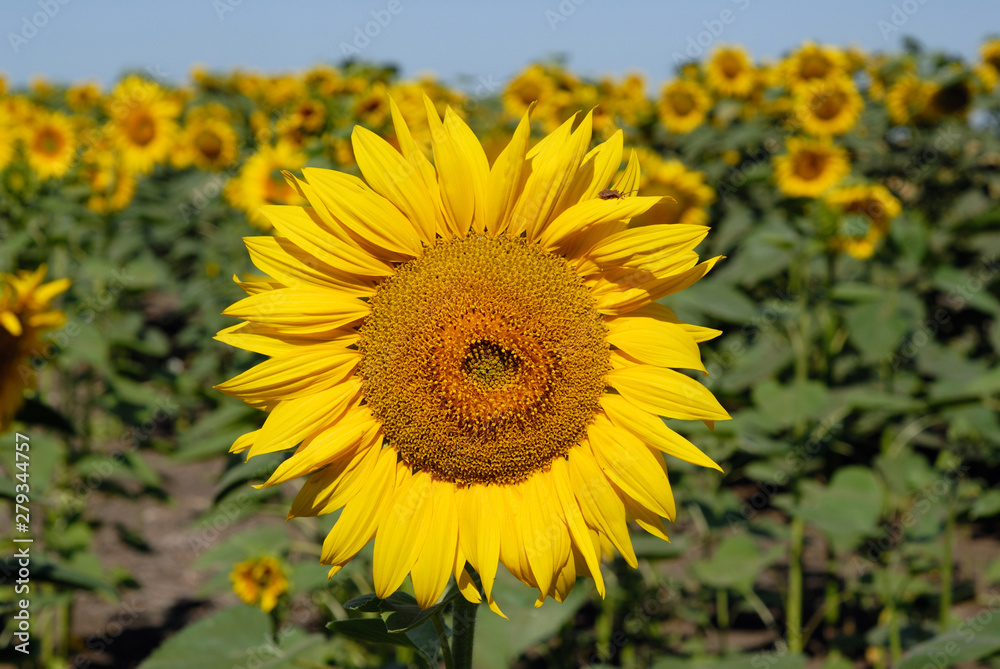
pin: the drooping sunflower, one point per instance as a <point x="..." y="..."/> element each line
<point x="686" y="196"/>
<point x="730" y="73"/>
<point x="470" y="359"/>
<point x="142" y="125"/>
<point x="810" y="167"/>
<point x="867" y="212"/>
<point x="683" y="105"/>
<point x="260" y="182"/>
<point x="26" y="314"/>
<point x="828" y="107"/>
<point x="50" y="145"/>
<point x="259" y="582"/>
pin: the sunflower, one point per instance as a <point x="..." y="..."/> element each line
<point x="209" y="144"/>
<point x="7" y="138"/>
<point x="811" y="167"/>
<point x="25" y="314"/>
<point x="683" y="105"/>
<point x="949" y="99"/>
<point x="867" y="212"/>
<point x="259" y="581"/>
<point x="142" y="123"/>
<point x="907" y="100"/>
<point x="111" y="185"/>
<point x="50" y="145"/>
<point x="989" y="69"/>
<point x="828" y="107"/>
<point x="372" y="108"/>
<point x="730" y="73"/>
<point x="472" y="359"/>
<point x="84" y="96"/>
<point x="812" y="63"/>
<point x="687" y="195"/>
<point x="260" y="183"/>
<point x="534" y="85"/>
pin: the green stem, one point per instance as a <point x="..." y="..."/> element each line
<point x="832" y="608"/>
<point x="793" y="612"/>
<point x="449" y="661"/>
<point x="947" y="560"/>
<point x="895" y="638"/>
<point x="463" y="624"/>
<point x="722" y="615"/>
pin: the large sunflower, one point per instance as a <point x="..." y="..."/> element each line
<point x="828" y="107"/>
<point x="683" y="105"/>
<point x="811" y="167"/>
<point x="25" y="315"/>
<point x="470" y="359"/>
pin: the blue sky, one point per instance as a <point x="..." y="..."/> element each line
<point x="71" y="40"/>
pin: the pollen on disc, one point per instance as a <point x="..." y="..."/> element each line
<point x="484" y="359"/>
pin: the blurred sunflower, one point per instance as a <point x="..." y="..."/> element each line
<point x="866" y="213"/>
<point x="26" y="313"/>
<point x="683" y="105"/>
<point x="50" y="145"/>
<point x="950" y="99"/>
<point x="906" y="100"/>
<point x="310" y="115"/>
<point x="208" y="144"/>
<point x="142" y="123"/>
<point x="111" y="185"/>
<point x="810" y="167"/>
<point x="828" y="107"/>
<point x="442" y="341"/>
<point x="729" y="72"/>
<point x="372" y="108"/>
<point x="260" y="183"/>
<point x="7" y="138"/>
<point x="259" y="581"/>
<point x="83" y="97"/>
<point x="812" y="63"/>
<point x="532" y="85"/>
<point x="989" y="69"/>
<point x="687" y="196"/>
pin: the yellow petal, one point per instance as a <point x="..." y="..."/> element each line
<point x="396" y="179"/>
<point x="281" y="259"/>
<point x="654" y="342"/>
<point x="479" y="517"/>
<point x="359" y="519"/>
<point x="592" y="214"/>
<point x="653" y="431"/>
<point x="436" y="561"/>
<point x="305" y="373"/>
<point x="647" y="247"/>
<point x="631" y="466"/>
<point x="402" y="533"/>
<point x="504" y="184"/>
<point x="291" y="421"/>
<point x="600" y="504"/>
<point x="300" y="311"/>
<point x="546" y="539"/>
<point x="575" y="522"/>
<point x="666" y="393"/>
<point x="639" y="287"/>
<point x="335" y="485"/>
<point x="267" y="341"/>
<point x="660" y="312"/>
<point x="11" y="323"/>
<point x="595" y="173"/>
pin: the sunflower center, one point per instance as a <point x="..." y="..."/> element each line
<point x="143" y="129"/>
<point x="810" y="166"/>
<point x="829" y="105"/>
<point x="209" y="144"/>
<point x="682" y="103"/>
<point x="484" y="359"/>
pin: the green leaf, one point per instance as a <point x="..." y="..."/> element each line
<point x="42" y="569"/>
<point x="238" y="637"/>
<point x="35" y="412"/>
<point x="974" y="639"/>
<point x="736" y="563"/>
<point x="373" y="630"/>
<point x="847" y="510"/>
<point x="877" y="328"/>
<point x="787" y="405"/>
<point x="987" y="506"/>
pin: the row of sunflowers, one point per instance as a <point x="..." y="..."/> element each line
<point x="853" y="194"/>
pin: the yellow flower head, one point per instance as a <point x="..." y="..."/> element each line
<point x="111" y="185"/>
<point x="867" y="211"/>
<point x="7" y="138"/>
<point x="683" y="106"/>
<point x="812" y="63"/>
<point x="810" y="167"/>
<point x="828" y="106"/>
<point x="729" y="72"/>
<point x="372" y="108"/>
<point x="142" y="123"/>
<point x="259" y="581"/>
<point x="26" y="313"/>
<point x="260" y="181"/>
<point x="533" y="84"/>
<point x="83" y="97"/>
<point x="907" y="99"/>
<point x="686" y="195"/>
<point x="50" y="145"/>
<point x="441" y="341"/>
<point x="950" y="99"/>
<point x="208" y="144"/>
<point x="990" y="53"/>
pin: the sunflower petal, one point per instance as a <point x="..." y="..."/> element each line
<point x="402" y="533"/>
<point x="436" y="561"/>
<point x="359" y="519"/>
<point x="503" y="186"/>
<point x="666" y="392"/>
<point x="628" y="464"/>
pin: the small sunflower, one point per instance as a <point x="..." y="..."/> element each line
<point x="686" y="196"/>
<point x="444" y="342"/>
<point x="906" y="100"/>
<point x="50" y="145"/>
<point x="7" y="138"/>
<point x="828" y="107"/>
<point x="26" y="313"/>
<point x="812" y="63"/>
<point x="142" y="123"/>
<point x="83" y="97"/>
<point x="259" y="581"/>
<point x="260" y="182"/>
<point x="372" y="108"/>
<point x="111" y="185"/>
<point x="867" y="212"/>
<point x="683" y="105"/>
<point x="810" y="167"/>
<point x="208" y="144"/>
<point x="950" y="99"/>
<point x="729" y="72"/>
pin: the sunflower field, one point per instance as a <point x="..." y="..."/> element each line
<point x="848" y="515"/>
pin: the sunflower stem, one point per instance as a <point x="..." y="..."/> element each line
<point x="947" y="559"/>
<point x="793" y="613"/>
<point x="463" y="624"/>
<point x="449" y="661"/>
